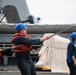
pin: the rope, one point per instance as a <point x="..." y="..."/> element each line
<point x="63" y="30"/>
<point x="8" y="48"/>
<point x="2" y="18"/>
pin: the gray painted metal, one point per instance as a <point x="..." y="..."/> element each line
<point x="13" y="70"/>
<point x="21" y="6"/>
<point x="23" y="11"/>
<point x="38" y="73"/>
<point x="9" y="28"/>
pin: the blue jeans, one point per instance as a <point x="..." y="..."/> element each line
<point x="26" y="67"/>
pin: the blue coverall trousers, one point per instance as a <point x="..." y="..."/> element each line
<point x="72" y="68"/>
<point x="26" y="67"/>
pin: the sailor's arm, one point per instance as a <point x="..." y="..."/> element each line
<point x="22" y="40"/>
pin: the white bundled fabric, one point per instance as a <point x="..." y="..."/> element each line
<point x="53" y="54"/>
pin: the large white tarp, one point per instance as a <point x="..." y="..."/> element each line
<point x="53" y="54"/>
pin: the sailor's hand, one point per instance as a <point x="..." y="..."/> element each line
<point x="45" y="38"/>
<point x="75" y="63"/>
<point x="0" y="50"/>
<point x="13" y="47"/>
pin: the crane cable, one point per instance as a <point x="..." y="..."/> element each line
<point x="59" y="32"/>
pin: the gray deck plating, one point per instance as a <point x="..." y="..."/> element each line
<point x="38" y="73"/>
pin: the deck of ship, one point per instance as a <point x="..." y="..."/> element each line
<point x="13" y="70"/>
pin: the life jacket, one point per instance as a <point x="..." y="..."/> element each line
<point x="22" y="48"/>
<point x="0" y="55"/>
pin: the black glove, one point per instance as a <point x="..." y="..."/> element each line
<point x="7" y="52"/>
